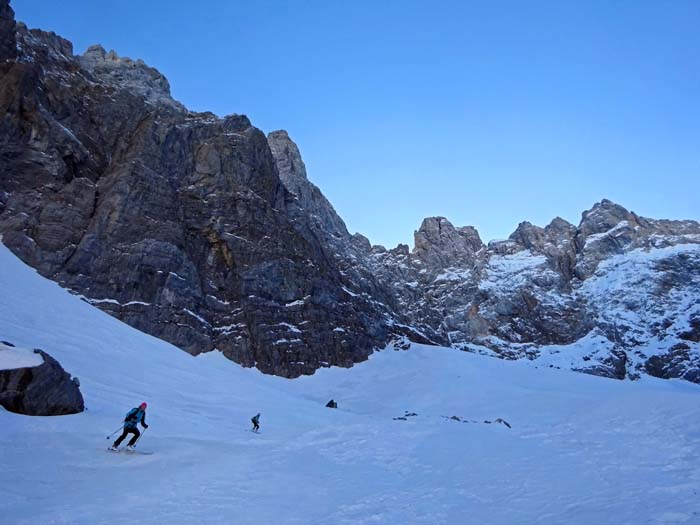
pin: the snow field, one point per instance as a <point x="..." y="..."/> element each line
<point x="582" y="449"/>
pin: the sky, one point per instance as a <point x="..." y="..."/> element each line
<point x="488" y="113"/>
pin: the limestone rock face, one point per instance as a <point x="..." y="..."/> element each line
<point x="292" y="172"/>
<point x="175" y="222"/>
<point x="42" y="390"/>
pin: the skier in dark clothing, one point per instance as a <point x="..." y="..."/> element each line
<point x="132" y="419"/>
<point x="256" y="422"/>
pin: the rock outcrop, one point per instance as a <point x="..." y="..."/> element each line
<point x="205" y="232"/>
<point x="617" y="296"/>
<point x="438" y="244"/>
<point x="128" y="74"/>
<point x="38" y="388"/>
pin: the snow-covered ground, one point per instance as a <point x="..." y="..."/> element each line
<point x="582" y="449"/>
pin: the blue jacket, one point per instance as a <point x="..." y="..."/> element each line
<point x="134" y="417"/>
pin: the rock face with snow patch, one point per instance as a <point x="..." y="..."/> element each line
<point x="204" y="232"/>
<point x="616" y="296"/>
<point x="33" y="383"/>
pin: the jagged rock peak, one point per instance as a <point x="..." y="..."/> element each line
<point x="235" y="123"/>
<point x="558" y="224"/>
<point x="124" y="72"/>
<point x="291" y="166"/>
<point x="282" y="136"/>
<point x="8" y="44"/>
<point x="528" y="235"/>
<point x="603" y="216"/>
<point x="35" y="45"/>
<point x="440" y="244"/>
<point x="471" y="238"/>
<point x="535" y="238"/>
<point x="292" y="172"/>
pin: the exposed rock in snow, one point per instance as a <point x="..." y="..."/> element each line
<point x="33" y="383"/>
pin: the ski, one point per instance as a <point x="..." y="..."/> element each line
<point x="140" y="452"/>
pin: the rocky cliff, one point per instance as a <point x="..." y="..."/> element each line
<point x="176" y="222"/>
<point x="205" y="232"/>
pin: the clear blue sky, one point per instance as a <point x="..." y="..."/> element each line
<point x="487" y="112"/>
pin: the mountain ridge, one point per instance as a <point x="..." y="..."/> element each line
<point x="208" y="233"/>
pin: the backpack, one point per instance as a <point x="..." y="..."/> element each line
<point x="131" y="416"/>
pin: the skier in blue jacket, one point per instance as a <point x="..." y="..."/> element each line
<point x="132" y="419"/>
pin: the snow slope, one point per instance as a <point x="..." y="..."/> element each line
<point x="582" y="449"/>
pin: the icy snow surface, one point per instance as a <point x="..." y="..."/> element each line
<point x="581" y="449"/>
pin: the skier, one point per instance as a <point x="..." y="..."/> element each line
<point x="256" y="422"/>
<point x="132" y="419"/>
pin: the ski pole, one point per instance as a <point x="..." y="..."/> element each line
<point x="140" y="436"/>
<point x="114" y="432"/>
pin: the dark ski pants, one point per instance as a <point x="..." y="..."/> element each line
<point x="134" y="431"/>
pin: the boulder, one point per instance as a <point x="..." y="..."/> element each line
<point x="34" y="384"/>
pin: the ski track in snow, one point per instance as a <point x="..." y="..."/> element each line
<point x="582" y="449"/>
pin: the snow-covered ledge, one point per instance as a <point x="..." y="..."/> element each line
<point x="12" y="357"/>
